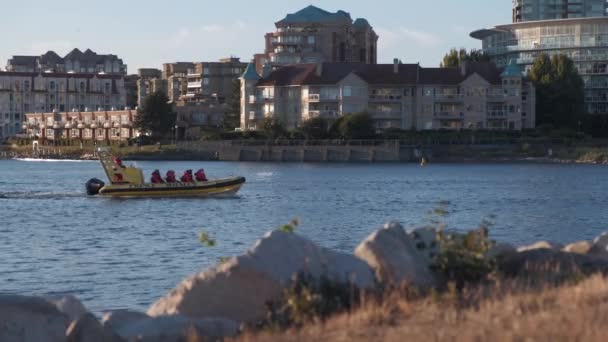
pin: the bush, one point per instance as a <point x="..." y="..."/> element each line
<point x="357" y="126"/>
<point x="308" y="299"/>
<point x="462" y="258"/>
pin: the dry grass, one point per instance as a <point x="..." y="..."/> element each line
<point x="569" y="313"/>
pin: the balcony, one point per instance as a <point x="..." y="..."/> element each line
<point x="385" y="98"/>
<point x="449" y="98"/>
<point x="260" y="99"/>
<point x="497" y="113"/>
<point x="387" y="115"/>
<point x="449" y="115"/>
<point x="326" y="114"/>
<point x="255" y="115"/>
<point x="195" y="85"/>
<point x="496" y="98"/>
<point x="319" y="98"/>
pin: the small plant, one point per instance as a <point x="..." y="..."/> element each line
<point x="290" y="227"/>
<point x="206" y="240"/>
<point x="308" y="299"/>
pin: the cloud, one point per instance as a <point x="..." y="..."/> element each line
<point x="182" y="36"/>
<point x="211" y="28"/>
<point x="60" y="46"/>
<point x="391" y="37"/>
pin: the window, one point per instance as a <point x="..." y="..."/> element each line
<point x="347" y="91"/>
<point x="206" y="81"/>
<point x="311" y="40"/>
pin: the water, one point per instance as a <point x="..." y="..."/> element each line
<point x="127" y="253"/>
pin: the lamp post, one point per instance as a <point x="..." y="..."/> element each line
<point x="176" y="127"/>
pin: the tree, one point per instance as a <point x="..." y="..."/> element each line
<point x="560" y="96"/>
<point x="357" y="126"/>
<point x="156" y="116"/>
<point x="272" y="128"/>
<point x="456" y="57"/>
<point x="315" y="128"/>
<point x="232" y="118"/>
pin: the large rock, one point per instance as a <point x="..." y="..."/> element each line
<point x="88" y="329"/>
<point x="240" y="288"/>
<point x="177" y="328"/>
<point x="549" y="266"/>
<point x="68" y="305"/>
<point x="600" y="246"/>
<point x="30" y="319"/>
<point x="116" y="319"/>
<point x="581" y="247"/>
<point x="540" y="245"/>
<point x="396" y="257"/>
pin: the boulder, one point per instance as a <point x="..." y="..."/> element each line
<point x="540" y="245"/>
<point x="581" y="247"/>
<point x="68" y="305"/>
<point x="116" y="319"/>
<point x="500" y="250"/>
<point x="600" y="246"/>
<point x="177" y="328"/>
<point x="550" y="266"/>
<point x="240" y="288"/>
<point x="396" y="257"/>
<point x="30" y="319"/>
<point x="88" y="329"/>
<point x="427" y="242"/>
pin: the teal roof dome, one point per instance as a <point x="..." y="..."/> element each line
<point x="512" y="70"/>
<point x="313" y="14"/>
<point x="250" y="73"/>
<point x="361" y="23"/>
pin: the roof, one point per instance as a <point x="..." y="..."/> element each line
<point x="313" y="14"/>
<point x="378" y="74"/>
<point x="250" y="73"/>
<point x="361" y="23"/>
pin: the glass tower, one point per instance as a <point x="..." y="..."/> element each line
<point x="533" y="10"/>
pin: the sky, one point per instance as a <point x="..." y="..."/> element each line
<point x="148" y="33"/>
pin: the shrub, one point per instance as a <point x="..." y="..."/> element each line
<point x="308" y="299"/>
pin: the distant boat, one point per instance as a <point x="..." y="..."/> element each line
<point x="129" y="182"/>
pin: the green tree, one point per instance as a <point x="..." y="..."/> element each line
<point x="315" y="128"/>
<point x="273" y="128"/>
<point x="456" y="57"/>
<point x="560" y="96"/>
<point x="232" y="118"/>
<point x="156" y="115"/>
<point x="357" y="126"/>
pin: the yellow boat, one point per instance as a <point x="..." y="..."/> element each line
<point x="129" y="182"/>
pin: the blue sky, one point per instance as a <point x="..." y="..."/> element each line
<point x="147" y="33"/>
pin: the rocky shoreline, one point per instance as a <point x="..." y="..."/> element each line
<point x="235" y="295"/>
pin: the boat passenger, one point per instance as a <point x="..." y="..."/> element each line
<point x="171" y="177"/>
<point x="187" y="177"/>
<point x="156" y="177"/>
<point x="118" y="162"/>
<point x="200" y="176"/>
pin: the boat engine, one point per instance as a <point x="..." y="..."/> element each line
<point x="93" y="186"/>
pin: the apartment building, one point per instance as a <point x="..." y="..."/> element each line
<point x="533" y="10"/>
<point x="313" y="35"/>
<point x="74" y="62"/>
<point x="192" y="80"/>
<point x="33" y="92"/>
<point x="404" y="96"/>
<point x="102" y="126"/>
<point x="580" y="34"/>
<point x="214" y="79"/>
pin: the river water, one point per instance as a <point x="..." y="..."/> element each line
<point x="127" y="253"/>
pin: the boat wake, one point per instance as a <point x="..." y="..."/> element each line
<point x="53" y="160"/>
<point x="39" y="195"/>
